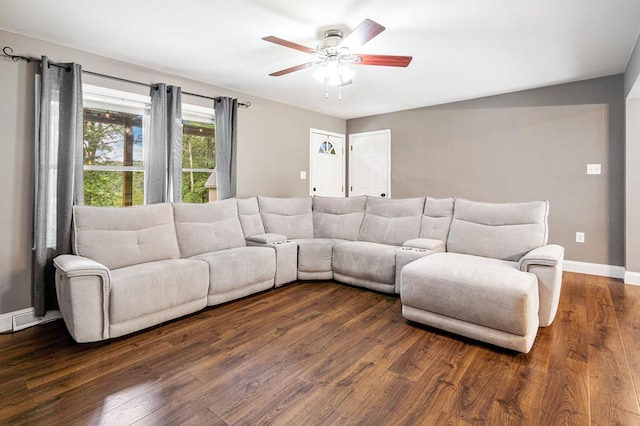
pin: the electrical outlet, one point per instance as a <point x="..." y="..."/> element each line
<point x="303" y="175"/>
<point x="579" y="237"/>
<point x="594" y="169"/>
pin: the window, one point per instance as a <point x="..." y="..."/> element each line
<point x="115" y="135"/>
<point x="115" y="127"/>
<point x="327" y="148"/>
<point x="198" y="155"/>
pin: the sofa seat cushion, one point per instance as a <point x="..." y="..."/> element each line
<point x="239" y="267"/>
<point x="314" y="258"/>
<point x="483" y="291"/>
<point x="148" y="288"/>
<point x="365" y="260"/>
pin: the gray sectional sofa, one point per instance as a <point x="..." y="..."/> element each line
<point x="480" y="270"/>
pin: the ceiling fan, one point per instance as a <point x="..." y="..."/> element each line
<point x="334" y="51"/>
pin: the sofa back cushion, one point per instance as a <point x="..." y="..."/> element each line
<point x="391" y="221"/>
<point x="125" y="236"/>
<point x="335" y="217"/>
<point x="291" y="217"/>
<point x="436" y="220"/>
<point x="205" y="228"/>
<point x="249" y="215"/>
<point x="500" y="231"/>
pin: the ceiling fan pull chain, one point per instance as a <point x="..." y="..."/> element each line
<point x="339" y="93"/>
<point x="326" y="88"/>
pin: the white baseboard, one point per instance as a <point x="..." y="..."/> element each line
<point x="632" y="278"/>
<point x="24" y="318"/>
<point x="594" y="269"/>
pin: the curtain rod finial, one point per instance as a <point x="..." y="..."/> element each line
<point x="8" y="51"/>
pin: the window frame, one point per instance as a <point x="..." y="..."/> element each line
<point x="99" y="97"/>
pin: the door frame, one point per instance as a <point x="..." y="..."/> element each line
<point x="344" y="158"/>
<point x="371" y="133"/>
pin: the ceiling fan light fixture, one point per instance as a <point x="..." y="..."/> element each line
<point x="333" y="73"/>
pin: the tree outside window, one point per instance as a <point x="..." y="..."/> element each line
<point x="198" y="160"/>
<point x="113" y="153"/>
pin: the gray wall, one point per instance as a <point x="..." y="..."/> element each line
<point x="277" y="148"/>
<point x="632" y="72"/>
<point x="522" y="146"/>
<point x="632" y="91"/>
<point x="633" y="186"/>
<point x="273" y="148"/>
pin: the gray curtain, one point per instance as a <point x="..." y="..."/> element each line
<point x="163" y="164"/>
<point x="58" y="174"/>
<point x="226" y="146"/>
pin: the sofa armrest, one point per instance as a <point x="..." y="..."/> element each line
<point x="74" y="266"/>
<point x="286" y="255"/>
<point x="83" y="286"/>
<point x="266" y="238"/>
<point x="426" y="244"/>
<point x="546" y="264"/>
<point x="549" y="255"/>
<point x="406" y="255"/>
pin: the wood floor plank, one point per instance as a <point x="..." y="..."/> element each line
<point x="565" y="399"/>
<point x="610" y="381"/>
<point x="626" y="301"/>
<point x="324" y="353"/>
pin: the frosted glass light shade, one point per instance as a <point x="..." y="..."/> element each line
<point x="333" y="73"/>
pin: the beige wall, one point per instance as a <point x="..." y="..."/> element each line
<point x="522" y="146"/>
<point x="273" y="148"/>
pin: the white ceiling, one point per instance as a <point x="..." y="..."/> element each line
<point x="462" y="49"/>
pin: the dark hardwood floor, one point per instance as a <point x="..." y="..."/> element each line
<point x="326" y="353"/>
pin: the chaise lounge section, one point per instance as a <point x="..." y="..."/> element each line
<point x="481" y="287"/>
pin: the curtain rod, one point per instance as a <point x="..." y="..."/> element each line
<point x="8" y="51"/>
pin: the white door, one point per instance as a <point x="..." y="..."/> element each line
<point x="370" y="163"/>
<point x="327" y="163"/>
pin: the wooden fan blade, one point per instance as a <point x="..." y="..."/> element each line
<point x="364" y="32"/>
<point x="289" y="44"/>
<point x="292" y="69"/>
<point x="383" y="60"/>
